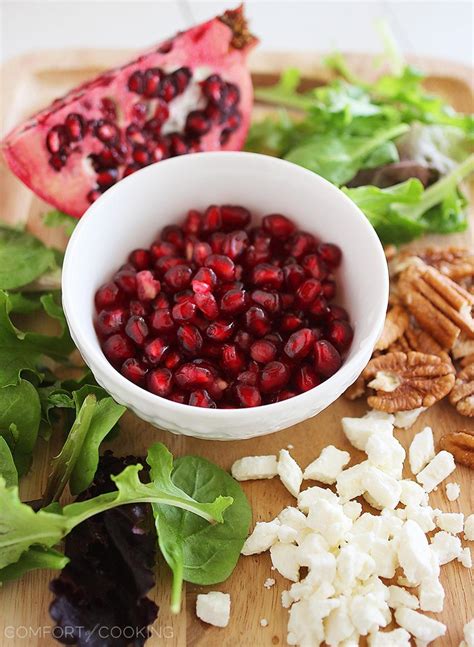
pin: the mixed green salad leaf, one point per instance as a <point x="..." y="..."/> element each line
<point x="350" y="126"/>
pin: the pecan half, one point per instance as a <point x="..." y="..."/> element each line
<point x="463" y="347"/>
<point x="455" y="262"/>
<point x="405" y="381"/>
<point x="420" y="341"/>
<point x="467" y="361"/>
<point x="462" y="395"/>
<point x="440" y="306"/>
<point x="396" y="322"/>
<point x="461" y="445"/>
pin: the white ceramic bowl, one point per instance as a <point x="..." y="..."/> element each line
<point x="131" y="214"/>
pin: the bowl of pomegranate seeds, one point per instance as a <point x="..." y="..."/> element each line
<point x="225" y="295"/>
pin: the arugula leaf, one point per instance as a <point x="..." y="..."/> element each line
<point x="7" y="466"/>
<point x="21" y="527"/>
<point x="56" y="218"/>
<point x="195" y="551"/>
<point x="20" y="413"/>
<point x="58" y="347"/>
<point x="22" y="303"/>
<point x="339" y="158"/>
<point x="23" y="258"/>
<point x="33" y="559"/>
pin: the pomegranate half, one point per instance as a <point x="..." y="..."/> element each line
<point x="191" y="93"/>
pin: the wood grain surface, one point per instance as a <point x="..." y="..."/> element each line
<point x="27" y="84"/>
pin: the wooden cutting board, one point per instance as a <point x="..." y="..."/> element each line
<point x="29" y="83"/>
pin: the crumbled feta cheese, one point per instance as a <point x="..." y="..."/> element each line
<point x="446" y="547"/>
<point x="254" y="467"/>
<point x="385" y="381"/>
<point x="399" y="597"/>
<point x="264" y="622"/>
<point x="406" y="419"/>
<point x="289" y="472"/>
<point x="290" y="446"/>
<point x="431" y="595"/>
<point x="453" y="490"/>
<point x="396" y="638"/>
<point x="287" y="534"/>
<point x="452" y="522"/>
<point x="213" y="608"/>
<point x="381" y="489"/>
<point x="330" y="521"/>
<point x="327" y="467"/>
<point x="310" y="546"/>
<point x="358" y="430"/>
<point x="468" y="632"/>
<point x="313" y="495"/>
<point x="412" y="493"/>
<point x="421" y="450"/>
<point x="292" y="517"/>
<point x="414" y="554"/>
<point x="366" y="614"/>
<point x="305" y="625"/>
<point x="418" y="625"/>
<point x="269" y="582"/>
<point x="422" y="515"/>
<point x="352" y="509"/>
<point x="469" y="528"/>
<point x="385" y="452"/>
<point x="436" y="471"/>
<point x="286" y="600"/>
<point x="338" y="625"/>
<point x="465" y="557"/>
<point x="285" y="559"/>
<point x="353" y="564"/>
<point x="264" y="535"/>
<point x="349" y="483"/>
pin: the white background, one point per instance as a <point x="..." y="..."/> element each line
<point x="441" y="29"/>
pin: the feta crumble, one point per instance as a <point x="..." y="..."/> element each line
<point x="289" y="472"/>
<point x="452" y="522"/>
<point x="469" y="528"/>
<point x="421" y="450"/>
<point x="327" y="467"/>
<point x="439" y="468"/>
<point x="213" y="608"/>
<point x="252" y="468"/>
<point x="453" y="490"/>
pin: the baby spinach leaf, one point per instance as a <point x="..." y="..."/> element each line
<point x="24" y="304"/>
<point x="196" y="551"/>
<point x="56" y="218"/>
<point x="31" y="560"/>
<point x="58" y="347"/>
<point x="7" y="466"/>
<point x="20" y="413"/>
<point x="23" y="258"/>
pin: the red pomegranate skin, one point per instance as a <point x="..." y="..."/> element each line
<point x="73" y="150"/>
<point x="198" y="320"/>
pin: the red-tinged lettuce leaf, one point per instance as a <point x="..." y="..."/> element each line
<point x="110" y="571"/>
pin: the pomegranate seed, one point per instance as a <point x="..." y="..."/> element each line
<point x="248" y="377"/>
<point x="200" y="252"/>
<point x="177" y="144"/>
<point x="248" y="396"/>
<point x="139" y="111"/>
<point x="234" y="217"/>
<point x="111" y="321"/>
<point x="159" y="381"/>
<point x="207" y="304"/>
<point x="329" y="289"/>
<point x="177" y="396"/>
<point x="134" y="371"/>
<point x="192" y="224"/>
<point x="160" y="151"/>
<point x="168" y="88"/>
<point x="232" y="359"/>
<point x="231" y="95"/>
<point x="140" y="259"/>
<point x="319" y="308"/>
<point x="326" y="358"/>
<point x="290" y="322"/>
<point x="173" y="234"/>
<point x="263" y="351"/>
<point x="136" y="329"/>
<point x="234" y="302"/>
<point x="197" y="123"/>
<point x="201" y="398"/>
<point x="127" y="281"/>
<point x="223" y="266"/>
<point x="269" y="300"/>
<point x="294" y="276"/>
<point x="266" y="275"/>
<point x="336" y="312"/>
<point x="212" y="220"/>
<point x="172" y="359"/>
<point x="340" y="334"/>
<point x="331" y="254"/>
<point x="189" y="338"/>
<point x="56" y="139"/>
<point x="134" y="134"/>
<point x="182" y="77"/>
<point x="220" y="330"/>
<point x="216" y="241"/>
<point x="108" y="295"/>
<point x="151" y="82"/>
<point x="184" y="311"/>
<point x="147" y="286"/>
<point x="204" y="280"/>
<point x="75" y="126"/>
<point x="235" y="244"/>
<point x="314" y="267"/>
<point x="286" y="394"/>
<point x="275" y="338"/>
<point x="243" y="340"/>
<point x="138" y="308"/>
<point x="306" y="378"/>
<point x="213" y="88"/>
<point x="135" y="82"/>
<point x="257" y="321"/>
<point x="274" y="377"/>
<point x="161" y="321"/>
<point x="165" y="263"/>
<point x="161" y="301"/>
<point x="107" y="132"/>
<point x="301" y="243"/>
<point x="178" y="277"/>
<point x="140" y="155"/>
<point x="307" y="293"/>
<point x="189" y="377"/>
<point x="299" y="344"/>
<point x="118" y="348"/>
<point x="155" y="350"/>
<point x="278" y="225"/>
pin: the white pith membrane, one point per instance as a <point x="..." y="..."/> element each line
<point x="362" y="570"/>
